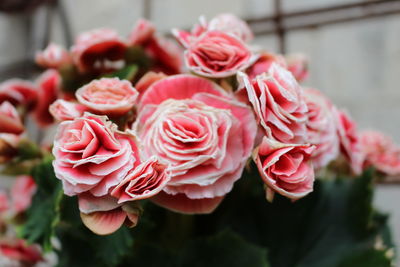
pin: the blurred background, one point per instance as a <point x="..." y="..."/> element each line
<point x="353" y="46"/>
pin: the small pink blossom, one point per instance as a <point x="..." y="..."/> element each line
<point x="22" y="192"/>
<point x="18" y="250"/>
<point x="350" y="143"/>
<point x="278" y="103"/>
<point x="63" y="110"/>
<point x="298" y="65"/>
<point x="145" y="181"/>
<point x="10" y="121"/>
<point x="229" y="23"/>
<point x="264" y="62"/>
<point x="18" y="92"/>
<point x="49" y="84"/>
<point x="95" y="50"/>
<point x="321" y="128"/>
<point x="285" y="168"/>
<point x="166" y="56"/>
<point x="217" y="54"/>
<point x="54" y="56"/>
<point x="380" y="152"/>
<point x="110" y="96"/>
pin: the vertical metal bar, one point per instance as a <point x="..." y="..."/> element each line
<point x="280" y="31"/>
<point x="64" y="23"/>
<point x="147" y="9"/>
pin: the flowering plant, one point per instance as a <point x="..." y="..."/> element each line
<point x="214" y="151"/>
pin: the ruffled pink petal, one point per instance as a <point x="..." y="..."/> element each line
<point x="104" y="222"/>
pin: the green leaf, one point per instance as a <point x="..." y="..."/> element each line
<point x="224" y="249"/>
<point x="367" y="258"/>
<point x="127" y="73"/>
<point x="316" y="231"/>
<point x="112" y="248"/>
<point x="44" y="213"/>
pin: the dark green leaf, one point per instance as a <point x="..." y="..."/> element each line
<point x="224" y="249"/>
<point x="112" y="248"/>
<point x="127" y="73"/>
<point x="367" y="258"/>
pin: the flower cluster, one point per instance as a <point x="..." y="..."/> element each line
<point x="134" y="124"/>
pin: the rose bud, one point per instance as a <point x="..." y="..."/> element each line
<point x="350" y="143"/>
<point x="54" y="56"/>
<point x="145" y="181"/>
<point x="229" y="23"/>
<point x="110" y="96"/>
<point x="10" y="122"/>
<point x="285" y="168"/>
<point x="98" y="50"/>
<point x="380" y="152"/>
<point x="216" y="54"/>
<point x="263" y="63"/>
<point x="22" y="192"/>
<point x="63" y="110"/>
<point x="321" y="128"/>
<point x="18" y="92"/>
<point x="49" y="84"/>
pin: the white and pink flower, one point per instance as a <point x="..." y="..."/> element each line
<point x="110" y="96"/>
<point x="53" y="56"/>
<point x="380" y="152"/>
<point x="321" y="128"/>
<point x="350" y="143"/>
<point x="286" y="169"/>
<point x="278" y="104"/>
<point x="63" y="110"/>
<point x="202" y="133"/>
<point x="10" y="121"/>
<point x="297" y="64"/>
<point x="264" y="62"/>
<point x="229" y="23"/>
<point x="98" y="50"/>
<point x="92" y="156"/>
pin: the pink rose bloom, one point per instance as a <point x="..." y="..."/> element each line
<point x="298" y="66"/>
<point x="49" y="84"/>
<point x="54" y="56"/>
<point x="278" y="103"/>
<point x="142" y="32"/>
<point x="96" y="50"/>
<point x="92" y="156"/>
<point x="145" y="181"/>
<point x="110" y="96"/>
<point x="63" y="110"/>
<point x="166" y="55"/>
<point x="202" y="133"/>
<point x="216" y="54"/>
<point x="103" y="215"/>
<point x="380" y="152"/>
<point x="22" y="192"/>
<point x="285" y="168"/>
<point x="18" y="92"/>
<point x="229" y="23"/>
<point x="321" y="128"/>
<point x="18" y="250"/>
<point x="264" y="62"/>
<point x="10" y="121"/>
<point x="350" y="143"/>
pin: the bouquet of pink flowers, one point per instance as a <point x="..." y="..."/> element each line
<point x="153" y="135"/>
